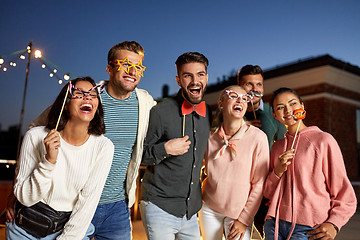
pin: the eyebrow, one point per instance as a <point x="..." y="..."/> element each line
<point x="193" y="73"/>
<point x="294" y="99"/>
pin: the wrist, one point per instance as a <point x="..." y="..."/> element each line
<point x="278" y="174"/>
<point x="336" y="228"/>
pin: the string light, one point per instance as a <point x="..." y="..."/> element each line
<point x="67" y="76"/>
<point x="38" y="54"/>
<point x="45" y="63"/>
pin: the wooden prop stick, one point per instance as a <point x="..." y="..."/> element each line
<point x="62" y="108"/>
<point x="183" y="132"/>
<point x="253" y="110"/>
<point x="300" y="115"/>
<point x="292" y="145"/>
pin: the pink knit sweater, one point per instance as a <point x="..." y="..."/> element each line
<point x="315" y="188"/>
<point x="234" y="187"/>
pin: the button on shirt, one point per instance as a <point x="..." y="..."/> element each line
<point x="173" y="182"/>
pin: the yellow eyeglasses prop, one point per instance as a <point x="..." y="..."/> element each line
<point x="126" y="65"/>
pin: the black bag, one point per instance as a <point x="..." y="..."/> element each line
<point x="40" y="219"/>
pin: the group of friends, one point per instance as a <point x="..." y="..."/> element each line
<point x="81" y="159"/>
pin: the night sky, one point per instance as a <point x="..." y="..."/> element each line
<point x="76" y="36"/>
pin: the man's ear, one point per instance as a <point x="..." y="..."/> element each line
<point x="108" y="69"/>
<point x="178" y="81"/>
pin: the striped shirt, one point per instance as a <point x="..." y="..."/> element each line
<point x="121" y="122"/>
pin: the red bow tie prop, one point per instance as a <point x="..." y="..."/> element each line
<point x="188" y="108"/>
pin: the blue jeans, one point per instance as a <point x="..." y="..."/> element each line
<point x="160" y="225"/>
<point x="14" y="232"/>
<point x="112" y="221"/>
<point x="299" y="232"/>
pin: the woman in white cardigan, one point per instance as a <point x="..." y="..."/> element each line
<point x="64" y="165"/>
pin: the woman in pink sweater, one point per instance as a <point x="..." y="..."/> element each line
<point x="310" y="194"/>
<point x="236" y="163"/>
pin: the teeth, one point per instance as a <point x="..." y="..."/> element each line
<point x="130" y="79"/>
<point x="238" y="108"/>
<point x="86" y="107"/>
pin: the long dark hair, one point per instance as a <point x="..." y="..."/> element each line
<point x="96" y="126"/>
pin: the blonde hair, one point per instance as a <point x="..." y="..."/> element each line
<point x="218" y="118"/>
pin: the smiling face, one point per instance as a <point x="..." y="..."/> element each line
<point x="284" y="106"/>
<point x="192" y="78"/>
<point x="84" y="108"/>
<point x="233" y="103"/>
<point x="253" y="83"/>
<point x="124" y="80"/>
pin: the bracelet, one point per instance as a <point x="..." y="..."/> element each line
<point x="336" y="228"/>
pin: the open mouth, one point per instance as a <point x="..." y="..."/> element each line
<point x="238" y="108"/>
<point x="86" y="107"/>
<point x="195" y="91"/>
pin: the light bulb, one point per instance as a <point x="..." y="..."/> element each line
<point x="38" y="54"/>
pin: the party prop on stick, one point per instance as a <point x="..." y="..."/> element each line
<point x="254" y="94"/>
<point x="183" y="132"/>
<point x="62" y="108"/>
<point x="187" y="108"/>
<point x="300" y="115"/>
